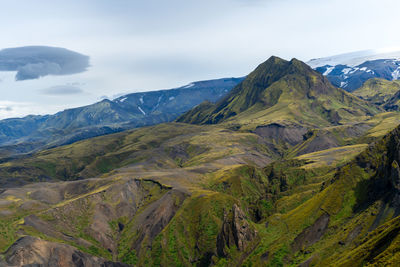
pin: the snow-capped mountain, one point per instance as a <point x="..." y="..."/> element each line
<point x="21" y="135"/>
<point x="349" y="71"/>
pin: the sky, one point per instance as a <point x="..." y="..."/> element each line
<point x="136" y="45"/>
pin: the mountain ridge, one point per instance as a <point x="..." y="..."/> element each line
<point x="107" y="116"/>
<point x="262" y="90"/>
<point x="350" y="71"/>
<point x="353" y="59"/>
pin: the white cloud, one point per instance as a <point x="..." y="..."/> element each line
<point x="15" y="109"/>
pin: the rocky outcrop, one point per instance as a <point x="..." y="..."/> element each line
<point x="382" y="159"/>
<point x="311" y="234"/>
<point x="317" y="140"/>
<point x="395" y="182"/>
<point x="292" y="134"/>
<point x="155" y="217"/>
<point x="236" y="232"/>
<point x="31" y="251"/>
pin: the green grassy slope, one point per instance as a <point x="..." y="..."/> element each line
<point x="283" y="92"/>
<point x="378" y="91"/>
<point x="360" y="201"/>
<point x="279" y="202"/>
<point x="164" y="146"/>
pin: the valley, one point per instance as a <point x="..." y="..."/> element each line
<point x="285" y="169"/>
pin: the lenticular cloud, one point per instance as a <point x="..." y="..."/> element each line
<point x="33" y="62"/>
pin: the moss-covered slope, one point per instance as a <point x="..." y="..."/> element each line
<point x="378" y="91"/>
<point x="351" y="220"/>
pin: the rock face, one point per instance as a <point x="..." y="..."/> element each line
<point x="155" y="217"/>
<point x="127" y="194"/>
<point x="93" y="214"/>
<point x="290" y="134"/>
<point x="31" y="251"/>
<point x="385" y="184"/>
<point x="311" y="234"/>
<point x="236" y="231"/>
<point x="395" y="182"/>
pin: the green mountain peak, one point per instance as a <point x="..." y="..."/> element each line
<point x="285" y="92"/>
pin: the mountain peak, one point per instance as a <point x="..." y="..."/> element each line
<point x="270" y="65"/>
<point x="280" y="90"/>
<point x="296" y="62"/>
<point x="274" y="59"/>
<point x="276" y="67"/>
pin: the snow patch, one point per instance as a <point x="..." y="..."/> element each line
<point x="346" y="71"/>
<point x="354" y="70"/>
<point x="328" y="70"/>
<point x="141" y="110"/>
<point x="363" y="69"/>
<point x="343" y="84"/>
<point x="396" y="74"/>
<point x="171" y="98"/>
<point x="158" y="103"/>
<point x="141" y="99"/>
<point x="123" y="99"/>
<point x="189" y="85"/>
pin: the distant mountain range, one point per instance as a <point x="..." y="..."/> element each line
<point x="350" y="71"/>
<point x="21" y="135"/>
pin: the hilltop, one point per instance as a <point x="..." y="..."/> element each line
<point x="280" y="91"/>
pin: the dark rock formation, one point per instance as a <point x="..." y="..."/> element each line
<point x="290" y="134"/>
<point x="311" y="234"/>
<point x="395" y="181"/>
<point x="307" y="262"/>
<point x="236" y="231"/>
<point x="156" y="216"/>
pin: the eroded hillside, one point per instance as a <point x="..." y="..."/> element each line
<point x="317" y="185"/>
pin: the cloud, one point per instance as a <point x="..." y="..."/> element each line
<point x="13" y="109"/>
<point x="33" y="62"/>
<point x="6" y="108"/>
<point x="10" y="109"/>
<point x="62" y="90"/>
